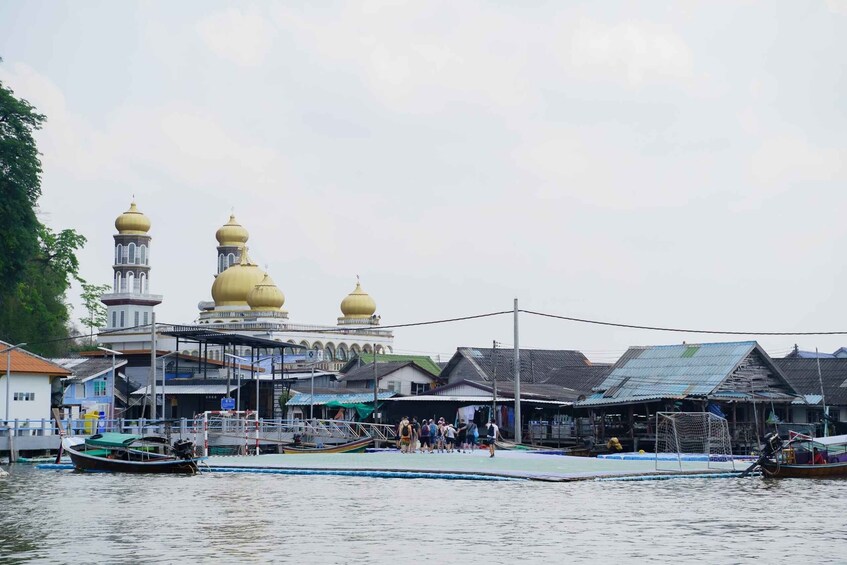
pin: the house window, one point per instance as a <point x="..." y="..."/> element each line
<point x="835" y="414"/>
<point x="394" y="385"/>
<point x="420" y="388"/>
<point x="24" y="396"/>
<point x="99" y="388"/>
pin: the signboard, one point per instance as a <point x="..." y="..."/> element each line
<point x="227" y="403"/>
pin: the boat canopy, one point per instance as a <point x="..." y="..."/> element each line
<point x="831" y="440"/>
<point x="112" y="440"/>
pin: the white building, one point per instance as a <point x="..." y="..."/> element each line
<point x="245" y="300"/>
<point x="31" y="385"/>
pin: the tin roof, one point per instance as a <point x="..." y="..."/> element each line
<point x="303" y="399"/>
<point x="677" y="371"/>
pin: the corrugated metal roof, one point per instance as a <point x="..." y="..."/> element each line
<point x="188" y="389"/>
<point x="473" y="399"/>
<point x="669" y="371"/>
<point x="303" y="399"/>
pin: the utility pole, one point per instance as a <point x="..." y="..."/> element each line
<point x="517" y="369"/>
<point x="494" y="345"/>
<point x="153" y="366"/>
<point x="376" y="385"/>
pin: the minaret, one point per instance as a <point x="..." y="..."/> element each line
<point x="231" y="238"/>
<point x="130" y="302"/>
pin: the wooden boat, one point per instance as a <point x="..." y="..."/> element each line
<point x="128" y="453"/>
<point x="357" y="446"/>
<point x="807" y="457"/>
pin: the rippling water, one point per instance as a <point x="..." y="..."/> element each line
<point x="63" y="516"/>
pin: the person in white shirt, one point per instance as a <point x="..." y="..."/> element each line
<point x="492" y="433"/>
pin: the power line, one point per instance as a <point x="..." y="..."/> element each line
<point x="666" y="329"/>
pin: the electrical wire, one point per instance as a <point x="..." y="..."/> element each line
<point x="667" y="329"/>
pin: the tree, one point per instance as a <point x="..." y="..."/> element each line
<point x="96" y="310"/>
<point x="36" y="264"/>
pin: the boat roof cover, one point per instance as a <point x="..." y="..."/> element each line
<point x="111" y="439"/>
<point x="831" y="440"/>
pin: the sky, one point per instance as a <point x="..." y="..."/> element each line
<point x="671" y="164"/>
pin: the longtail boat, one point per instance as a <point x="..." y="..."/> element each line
<point x="129" y="453"/>
<point x="807" y="457"/>
<point x="357" y="446"/>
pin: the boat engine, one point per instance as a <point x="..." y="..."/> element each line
<point x="184" y="449"/>
<point x="773" y="444"/>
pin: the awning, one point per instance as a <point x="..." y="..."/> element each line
<point x="474" y="399"/>
<point x="188" y="389"/>
<point x="303" y="399"/>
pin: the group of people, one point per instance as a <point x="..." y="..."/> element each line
<point x="442" y="436"/>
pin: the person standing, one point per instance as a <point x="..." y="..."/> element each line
<point x="416" y="432"/>
<point x="405" y="435"/>
<point x="433" y="434"/>
<point x="492" y="433"/>
<point x="470" y="436"/>
<point x="450" y="437"/>
<point x="461" y="436"/>
<point x="425" y="441"/>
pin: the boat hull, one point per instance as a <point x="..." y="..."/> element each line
<point x="92" y="463"/>
<point x="352" y="447"/>
<point x="829" y="470"/>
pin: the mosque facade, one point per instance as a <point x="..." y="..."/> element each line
<point x="245" y="300"/>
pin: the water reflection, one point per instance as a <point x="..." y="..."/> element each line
<point x="64" y="516"/>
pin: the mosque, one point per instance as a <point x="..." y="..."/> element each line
<point x="245" y="300"/>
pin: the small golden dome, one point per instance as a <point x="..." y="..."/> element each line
<point x="232" y="234"/>
<point x="266" y="295"/>
<point x="233" y="285"/>
<point x="358" y="304"/>
<point x="132" y="222"/>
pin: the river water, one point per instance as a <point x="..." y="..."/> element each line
<point x="68" y="517"/>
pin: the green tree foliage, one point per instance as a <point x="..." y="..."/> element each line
<point x="96" y="317"/>
<point x="37" y="265"/>
<point x="20" y="184"/>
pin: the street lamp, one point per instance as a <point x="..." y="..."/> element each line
<point x="8" y="352"/>
<point x="164" y="409"/>
<point x="115" y="380"/>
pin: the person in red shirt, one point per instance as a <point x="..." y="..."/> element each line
<point x="817" y="457"/>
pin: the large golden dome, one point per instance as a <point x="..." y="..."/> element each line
<point x="358" y="304"/>
<point x="232" y="234"/>
<point x="233" y="285"/>
<point x="266" y="295"/>
<point x="132" y="222"/>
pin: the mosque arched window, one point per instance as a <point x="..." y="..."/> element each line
<point x="131" y="249"/>
<point x="354" y="349"/>
<point x="117" y="283"/>
<point x="130" y="283"/>
<point x="305" y="344"/>
<point x="119" y="249"/>
<point x="367" y="348"/>
<point x="142" y="253"/>
<point x="230" y="260"/>
<point x="142" y="283"/>
<point x="341" y="353"/>
<point x="220" y="263"/>
<point x="329" y="354"/>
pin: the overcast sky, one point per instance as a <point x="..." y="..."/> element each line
<point x="679" y="164"/>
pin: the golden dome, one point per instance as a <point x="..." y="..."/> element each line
<point x="233" y="285"/>
<point x="358" y="304"/>
<point x="132" y="222"/>
<point x="232" y="234"/>
<point x="266" y="295"/>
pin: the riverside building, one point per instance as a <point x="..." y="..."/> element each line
<point x="245" y="300"/>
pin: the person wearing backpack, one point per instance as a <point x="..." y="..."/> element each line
<point x="425" y="442"/>
<point x="405" y="435"/>
<point x="492" y="433"/>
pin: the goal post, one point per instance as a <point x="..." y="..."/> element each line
<point x="692" y="438"/>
